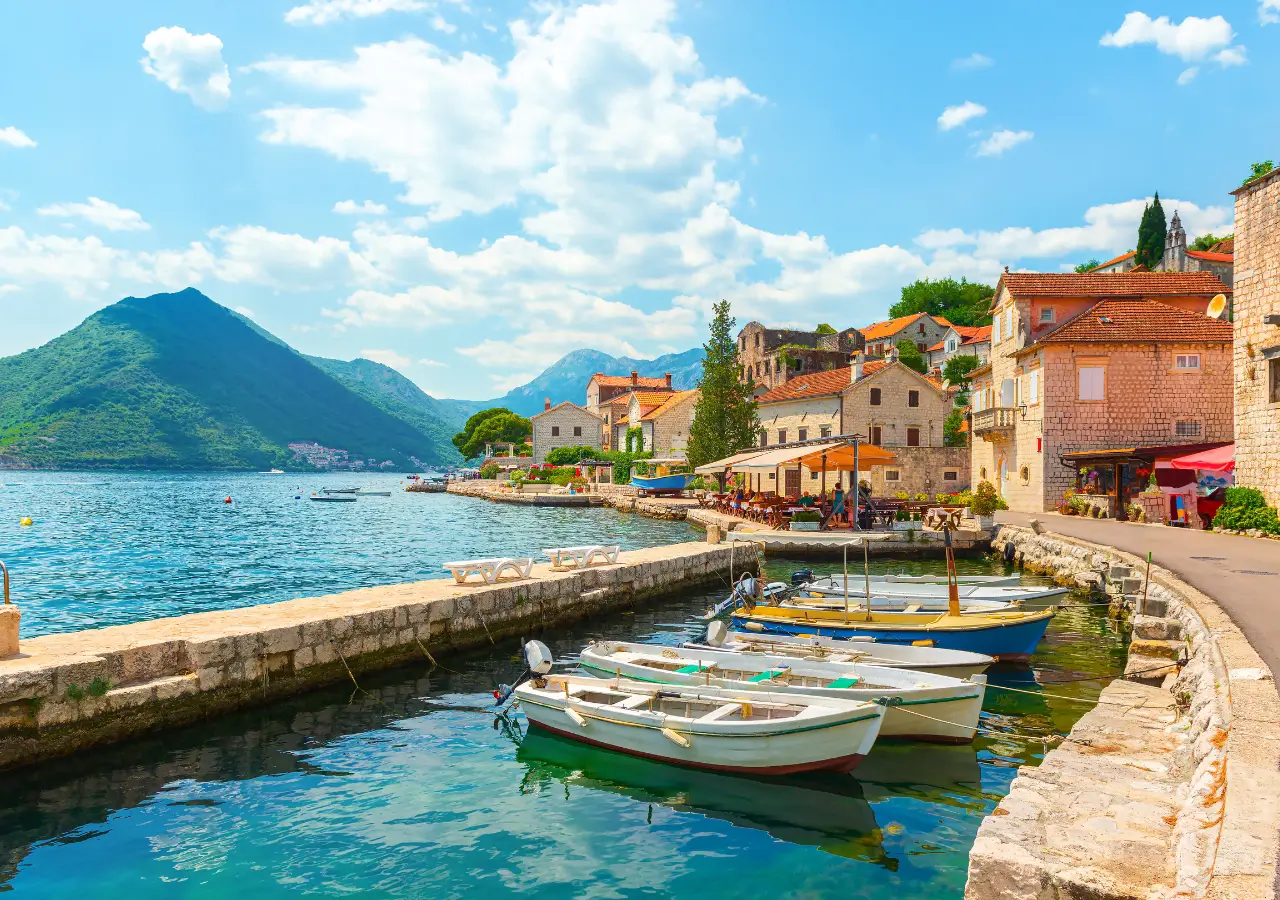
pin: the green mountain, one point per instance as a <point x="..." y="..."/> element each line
<point x="177" y="381"/>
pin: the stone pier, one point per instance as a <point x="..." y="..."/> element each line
<point x="68" y="692"/>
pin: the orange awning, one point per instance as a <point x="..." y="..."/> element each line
<point x="841" y="458"/>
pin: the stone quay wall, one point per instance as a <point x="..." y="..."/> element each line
<point x="1158" y="792"/>
<point x="68" y="692"/>
<point x="534" y="496"/>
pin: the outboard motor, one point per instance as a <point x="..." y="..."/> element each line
<point x="802" y="576"/>
<point x="539" y="660"/>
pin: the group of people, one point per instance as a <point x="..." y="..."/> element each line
<point x="840" y="505"/>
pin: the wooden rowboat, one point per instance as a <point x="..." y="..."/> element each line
<point x="756" y="732"/>
<point x="920" y="706"/>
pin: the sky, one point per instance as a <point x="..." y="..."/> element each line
<point x="468" y="190"/>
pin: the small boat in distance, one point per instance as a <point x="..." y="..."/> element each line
<point x="344" y="490"/>
<point x="273" y="472"/>
<point x="333" y="498"/>
<point x="364" y="493"/>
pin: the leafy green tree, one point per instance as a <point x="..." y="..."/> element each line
<point x="1151" y="234"/>
<point x="501" y="426"/>
<point x="1088" y="265"/>
<point x="1257" y="170"/>
<point x="461" y="439"/>
<point x="824" y="328"/>
<point x="568" y="456"/>
<point x="1206" y="241"/>
<point x="911" y="357"/>
<point x="724" y="419"/>
<point x="959" y="302"/>
<point x="952" y="436"/>
<point x="957" y="369"/>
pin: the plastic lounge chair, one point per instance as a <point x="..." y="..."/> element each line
<point x="581" y="557"/>
<point x="464" y="569"/>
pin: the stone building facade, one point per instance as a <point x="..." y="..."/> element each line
<point x="1256" y="353"/>
<point x="921" y="329"/>
<point x="770" y="356"/>
<point x="959" y="341"/>
<point x="565" y="425"/>
<point x="665" y="429"/>
<point x="607" y="397"/>
<point x="1092" y="362"/>
<point x="922" y="470"/>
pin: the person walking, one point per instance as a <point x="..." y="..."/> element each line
<point x="837" y="504"/>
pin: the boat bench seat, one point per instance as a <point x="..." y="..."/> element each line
<point x="490" y="570"/>
<point x="847" y="681"/>
<point x="767" y="675"/>
<point x="720" y="712"/>
<point x="633" y="701"/>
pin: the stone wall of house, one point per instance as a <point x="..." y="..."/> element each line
<point x="170" y="672"/>
<point x="791" y="416"/>
<point x="668" y="434"/>
<point x="924" y="331"/>
<point x="759" y="359"/>
<point x="922" y="470"/>
<point x="893" y="415"/>
<point x="566" y="425"/>
<point x="1257" y="345"/>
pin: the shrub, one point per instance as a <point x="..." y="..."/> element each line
<point x="567" y="456"/>
<point x="490" y="471"/>
<point x="1245" y="508"/>
<point x="985" y="499"/>
<point x="807" y="515"/>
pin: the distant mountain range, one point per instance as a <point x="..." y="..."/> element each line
<point x="178" y="381"/>
<point x="567" y="378"/>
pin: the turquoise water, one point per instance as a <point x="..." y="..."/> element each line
<point x="111" y="548"/>
<point x="413" y="789"/>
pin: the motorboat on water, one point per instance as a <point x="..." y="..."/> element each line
<point x="927" y="592"/>
<point x="364" y="493"/>
<point x="953" y="704"/>
<point x="272" y="472"/>
<point x="865" y="650"/>
<point x="803" y="596"/>
<point x="334" y="498"/>
<point x="962" y="580"/>
<point x="343" y="490"/>
<point x="723" y="729"/>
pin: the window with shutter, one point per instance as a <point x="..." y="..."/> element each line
<point x="875" y="396"/>
<point x="577" y="431"/>
<point x="1033" y="387"/>
<point x="995" y="329"/>
<point x="1092" y="383"/>
<point x="802" y="434"/>
<point x="782" y="435"/>
<point x="913" y="437"/>
<point x="876" y="435"/>
<point x="555" y="431"/>
<point x="913" y="398"/>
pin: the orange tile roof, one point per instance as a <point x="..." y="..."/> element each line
<point x="670" y="403"/>
<point x="979" y="335"/>
<point x="1138" y="321"/>
<point x="1111" y="262"/>
<point x="819" y="384"/>
<point x="1113" y="284"/>
<point x="1211" y="256"/>
<point x="892" y="326"/>
<point x="937" y="346"/>
<point x="625" y="381"/>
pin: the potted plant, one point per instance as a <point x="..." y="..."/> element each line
<point x="985" y="503"/>
<point x="806" y="520"/>
<point x="905" y="521"/>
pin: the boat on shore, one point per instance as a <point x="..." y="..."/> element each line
<point x="935" y="660"/>
<point x="661" y="475"/>
<point x="722" y="729"/>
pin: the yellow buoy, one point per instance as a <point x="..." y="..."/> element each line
<point x="25" y="521"/>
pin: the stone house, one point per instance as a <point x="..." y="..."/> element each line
<point x="770" y="356"/>
<point x="1095" y="361"/>
<point x="887" y="404"/>
<point x="607" y="397"/>
<point x="638" y="404"/>
<point x="1256" y="352"/>
<point x="1218" y="260"/>
<point x="960" y="340"/>
<point x="564" y="425"/>
<point x="921" y="329"/>
<point x="665" y="428"/>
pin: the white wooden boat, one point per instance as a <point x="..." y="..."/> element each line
<point x="727" y="730"/>
<point x="858" y="603"/>
<point x="955" y="663"/>
<point x="920" y="705"/>
<point x="833" y="585"/>
<point x="941" y="578"/>
<point x="363" y="493"/>
<point x="333" y="498"/>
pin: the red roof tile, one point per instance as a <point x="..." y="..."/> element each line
<point x="1211" y="256"/>
<point x="979" y="336"/>
<point x="819" y="384"/>
<point x="1111" y="262"/>
<point x="892" y="326"/>
<point x="671" y="402"/>
<point x="1113" y="284"/>
<point x="1138" y="322"/>
<point x="625" y="381"/>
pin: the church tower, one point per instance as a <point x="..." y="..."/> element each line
<point x="1175" y="247"/>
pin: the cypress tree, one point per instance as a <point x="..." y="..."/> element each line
<point x="724" y="419"/>
<point x="1151" y="235"/>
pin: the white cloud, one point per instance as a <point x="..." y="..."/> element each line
<point x="367" y="208"/>
<point x="1193" y="40"/>
<point x="1001" y="141"/>
<point x="1268" y="12"/>
<point x="12" y="137"/>
<point x="98" y="212"/>
<point x="323" y="12"/>
<point x="251" y="254"/>
<point x="955" y="116"/>
<point x="432" y="363"/>
<point x="388" y="358"/>
<point x="972" y="62"/>
<point x="190" y="64"/>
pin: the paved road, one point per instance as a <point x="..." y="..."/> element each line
<point x="1242" y="574"/>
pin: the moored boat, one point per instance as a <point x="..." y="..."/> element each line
<point x="919" y="705"/>
<point x="757" y="732"/>
<point x="936" y="660"/>
<point x="344" y="490"/>
<point x="1006" y="636"/>
<point x="929" y="592"/>
<point x="661" y="475"/>
<point x="334" y="498"/>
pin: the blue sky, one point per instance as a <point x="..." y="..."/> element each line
<point x="468" y="190"/>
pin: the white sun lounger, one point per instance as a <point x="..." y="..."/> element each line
<point x="581" y="557"/>
<point x="490" y="570"/>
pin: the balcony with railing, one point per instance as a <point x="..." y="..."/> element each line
<point x="997" y="418"/>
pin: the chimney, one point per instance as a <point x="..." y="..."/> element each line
<point x="667" y="376"/>
<point x="856" y="373"/>
<point x="635" y="378"/>
<point x="546" y="404"/>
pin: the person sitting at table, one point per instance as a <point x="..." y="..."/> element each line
<point x="806" y="500"/>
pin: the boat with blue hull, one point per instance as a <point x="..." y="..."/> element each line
<point x="1007" y="636"/>
<point x="661" y="475"/>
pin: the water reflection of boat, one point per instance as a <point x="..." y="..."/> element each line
<point x="824" y="811"/>
<point x="935" y="773"/>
